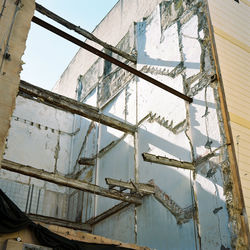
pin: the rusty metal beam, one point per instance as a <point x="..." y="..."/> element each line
<point x="67" y="182"/>
<point x="83" y="32"/>
<point x="73" y="106"/>
<point x="167" y="161"/>
<point x="109" y="58"/>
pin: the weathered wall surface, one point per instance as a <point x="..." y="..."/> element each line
<point x="173" y="46"/>
<point x="172" y="43"/>
<point x="125" y="13"/>
<point x="15" y="17"/>
<point x="232" y="31"/>
<point x="40" y="136"/>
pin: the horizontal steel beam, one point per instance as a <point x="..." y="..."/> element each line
<point x="109" y="58"/>
<point x="73" y="106"/>
<point x="67" y="182"/>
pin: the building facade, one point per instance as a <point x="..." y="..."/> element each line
<point x="170" y="161"/>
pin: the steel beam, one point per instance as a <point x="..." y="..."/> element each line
<point x="109" y="58"/>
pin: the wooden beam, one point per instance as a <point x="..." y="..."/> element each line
<point x="73" y="106"/>
<point x="167" y="161"/>
<point x="92" y="238"/>
<point x="133" y="187"/>
<point x="60" y="222"/>
<point x="83" y="32"/>
<point x="87" y="161"/>
<point x="67" y="182"/>
<point x="106" y="214"/>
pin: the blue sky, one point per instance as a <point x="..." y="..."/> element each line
<point x="47" y="55"/>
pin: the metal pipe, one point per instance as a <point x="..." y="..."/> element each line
<point x="109" y="58"/>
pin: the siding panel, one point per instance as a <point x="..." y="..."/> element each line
<point x="231" y="22"/>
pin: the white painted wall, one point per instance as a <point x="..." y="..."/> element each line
<point x="172" y="46"/>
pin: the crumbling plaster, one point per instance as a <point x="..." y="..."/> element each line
<point x="173" y="45"/>
<point x="13" y="35"/>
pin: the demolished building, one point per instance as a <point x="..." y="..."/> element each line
<point x="135" y="145"/>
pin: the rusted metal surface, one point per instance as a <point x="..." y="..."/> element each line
<point x="109" y="58"/>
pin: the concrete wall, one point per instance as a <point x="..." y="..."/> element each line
<point x="172" y="45"/>
<point x="40" y="136"/>
<point x="15" y="23"/>
<point x="125" y="13"/>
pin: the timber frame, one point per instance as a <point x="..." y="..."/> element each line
<point x="72" y="106"/>
<point x="72" y="183"/>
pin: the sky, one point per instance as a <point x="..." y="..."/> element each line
<point x="47" y="55"/>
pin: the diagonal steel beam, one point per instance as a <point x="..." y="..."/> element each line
<point x="109" y="58"/>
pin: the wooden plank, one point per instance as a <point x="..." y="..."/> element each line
<point x="73" y="106"/>
<point x="239" y="215"/>
<point x="108" y="213"/>
<point x="167" y="161"/>
<point x="91" y="238"/>
<point x="67" y="182"/>
<point x="87" y="161"/>
<point x="140" y="187"/>
<point x="60" y="222"/>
